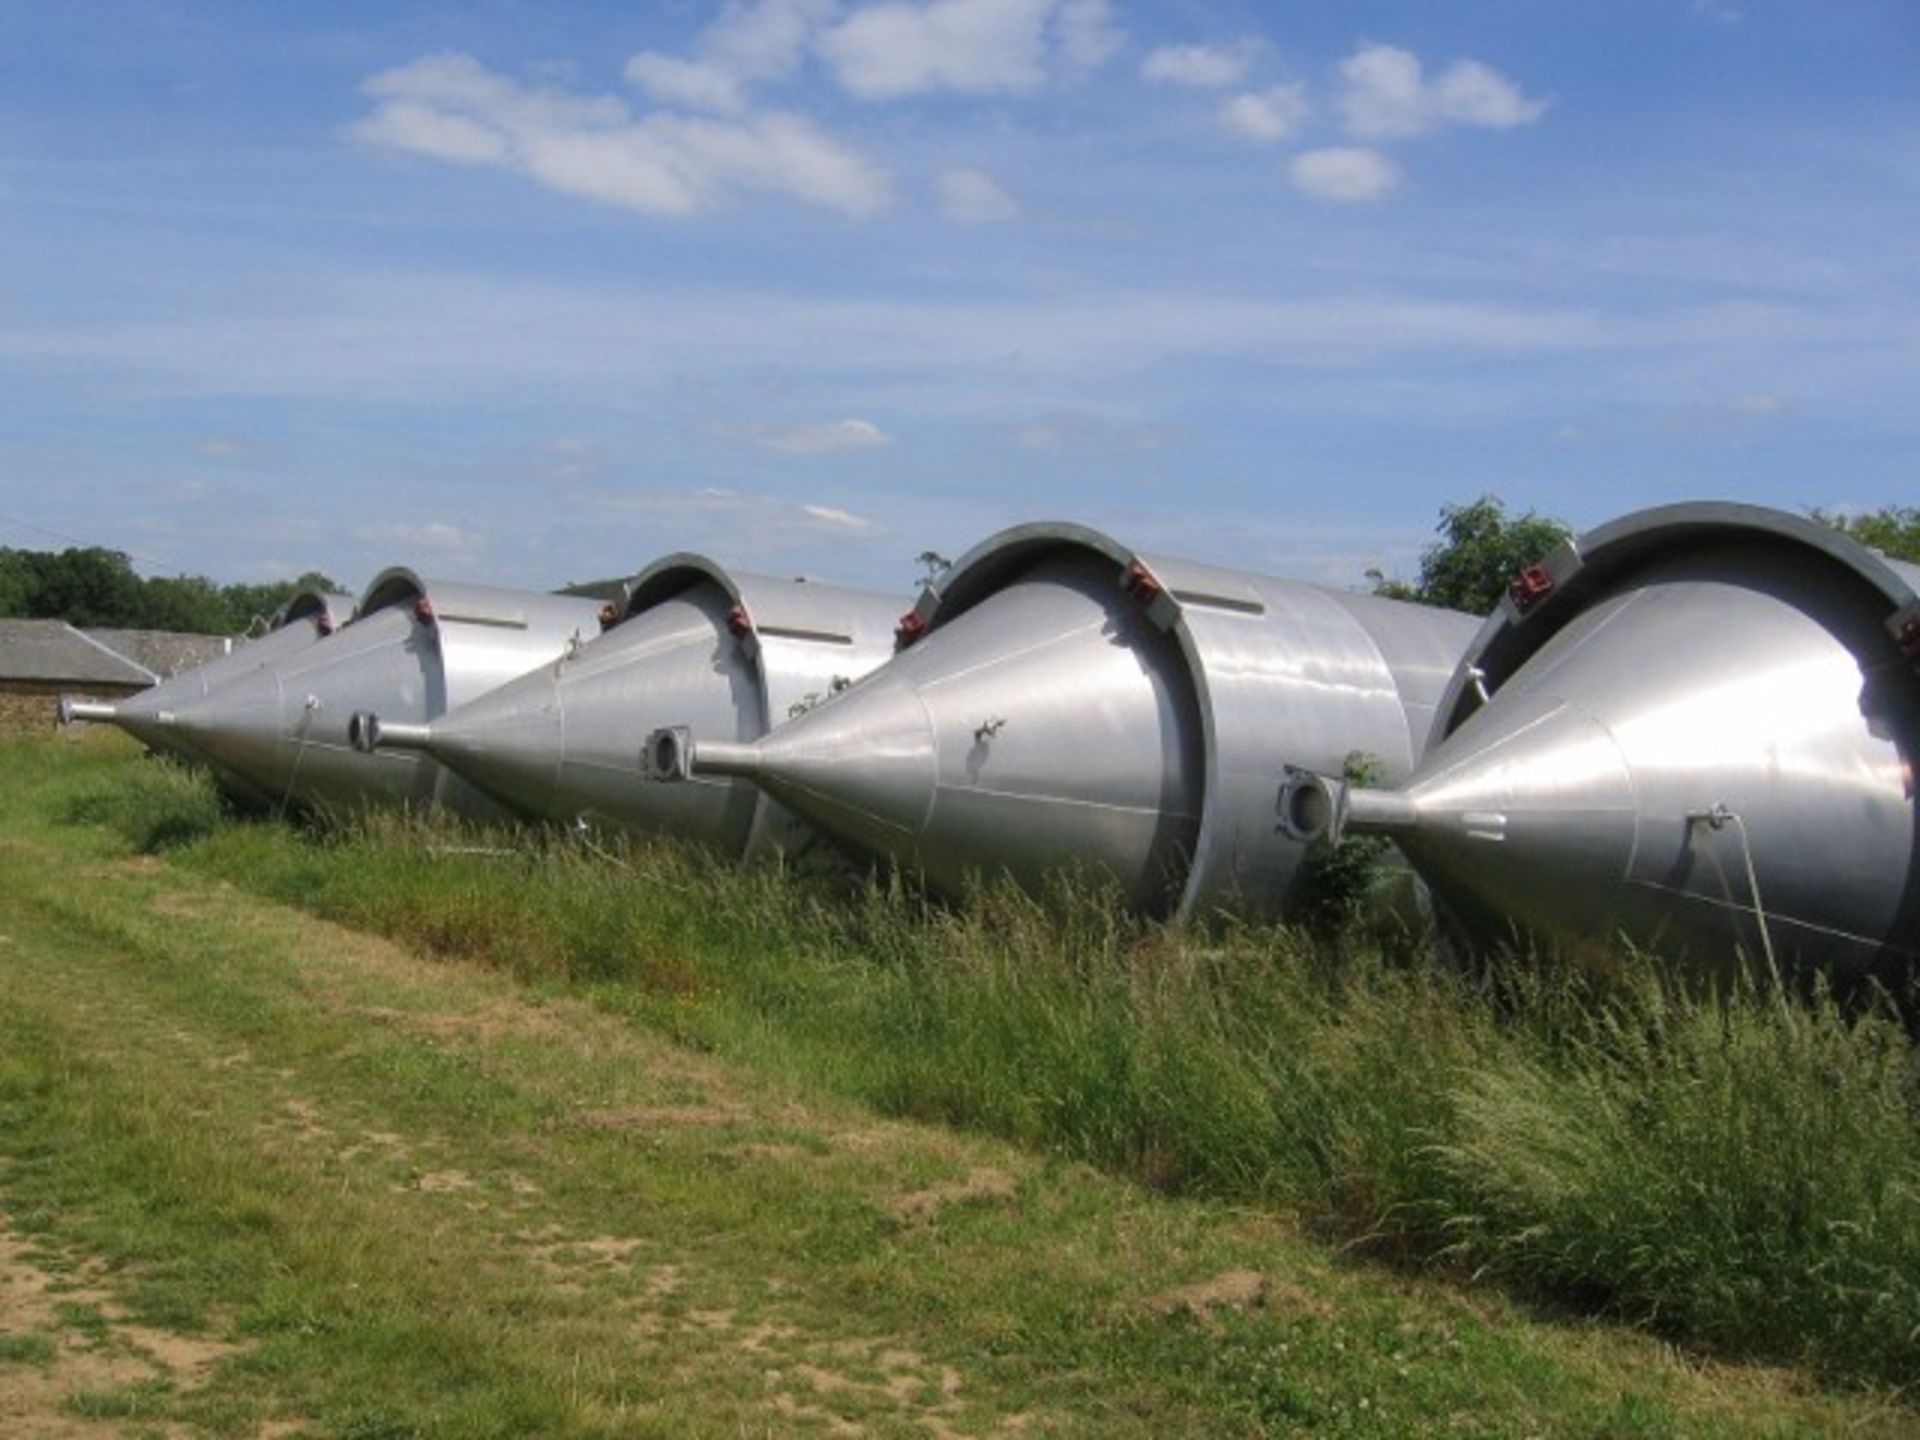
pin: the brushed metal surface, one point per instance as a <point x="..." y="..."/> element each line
<point x="696" y="642"/>
<point x="414" y="649"/>
<point x="1710" y="687"/>
<point x="1071" y="703"/>
<point x="307" y="617"/>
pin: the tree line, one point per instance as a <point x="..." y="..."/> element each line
<point x="94" y="586"/>
<point x="1481" y="547"/>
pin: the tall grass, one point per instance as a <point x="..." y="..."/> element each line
<point x="1735" y="1169"/>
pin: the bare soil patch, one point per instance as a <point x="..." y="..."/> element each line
<point x="1229" y="1290"/>
<point x="111" y="1352"/>
<point x="982" y="1183"/>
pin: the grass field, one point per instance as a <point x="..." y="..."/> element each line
<point x="376" y="1136"/>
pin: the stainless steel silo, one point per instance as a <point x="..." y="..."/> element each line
<point x="1693" y="729"/>
<point x="1062" y="700"/>
<point x="414" y="649"/>
<point x="729" y="651"/>
<point x="309" y="615"/>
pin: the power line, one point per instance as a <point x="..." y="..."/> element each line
<point x="77" y="542"/>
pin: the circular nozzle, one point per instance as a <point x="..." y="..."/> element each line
<point x="671" y="753"/>
<point x="363" y="731"/>
<point x="1310" y="806"/>
<point x="72" y="710"/>
<point x="367" y="732"/>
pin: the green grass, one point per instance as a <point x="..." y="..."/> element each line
<point x="1733" y="1172"/>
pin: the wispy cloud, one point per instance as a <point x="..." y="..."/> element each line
<point x="1268" y="116"/>
<point x="1076" y="431"/>
<point x="451" y="107"/>
<point x="689" y="83"/>
<point x="440" y="541"/>
<point x="834" y="518"/>
<point x="973" y="197"/>
<point x="840" y="437"/>
<point x="1201" y="67"/>
<point x="744" y="524"/>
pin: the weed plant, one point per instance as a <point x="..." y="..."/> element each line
<point x="1735" y="1169"/>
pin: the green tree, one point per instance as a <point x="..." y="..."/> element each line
<point x="186" y="602"/>
<point x="1892" y="530"/>
<point x="86" y="586"/>
<point x="1481" y="549"/>
<point x="94" y="586"/>
<point x="16" y="585"/>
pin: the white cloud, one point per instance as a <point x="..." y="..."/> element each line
<point x="743" y="523"/>
<point x="1204" y="67"/>
<point x="1267" y="116"/>
<point x="1759" y="405"/>
<point x="409" y="125"/>
<point x="831" y="518"/>
<point x="971" y="47"/>
<point x="1388" y="96"/>
<point x="222" y="447"/>
<point x="1086" y="33"/>
<point x="973" y="197"/>
<point x="749" y="42"/>
<point x="838" y="437"/>
<point x="688" y="83"/>
<point x="593" y="146"/>
<point x="766" y="39"/>
<point x="1344" y="174"/>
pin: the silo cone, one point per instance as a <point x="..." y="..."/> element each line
<point x="729" y="651"/>
<point x="309" y="616"/>
<point x="413" y="649"/>
<point x="1063" y="702"/>
<point x="1693" y="729"/>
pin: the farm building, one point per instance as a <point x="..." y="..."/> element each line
<point x="42" y="659"/>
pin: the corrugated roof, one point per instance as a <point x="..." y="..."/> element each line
<point x="53" y="652"/>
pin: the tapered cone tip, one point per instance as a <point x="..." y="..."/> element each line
<point x="861" y="767"/>
<point x="1713" y="763"/>
<point x="1049" y="727"/>
<point x="1526" y="813"/>
<point x="239" y="728"/>
<point x="509" y="742"/>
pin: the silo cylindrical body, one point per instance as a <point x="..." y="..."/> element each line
<point x="1061" y="702"/>
<point x="695" y="642"/>
<point x="413" y="649"/>
<point x="308" y="616"/>
<point x="1694" y="730"/>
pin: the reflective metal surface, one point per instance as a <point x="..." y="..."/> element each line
<point x="695" y="642"/>
<point x="1706" y="715"/>
<point x="1064" y="701"/>
<point x="309" y="615"/>
<point x="414" y="649"/>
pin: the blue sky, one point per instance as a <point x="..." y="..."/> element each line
<point x="533" y="292"/>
